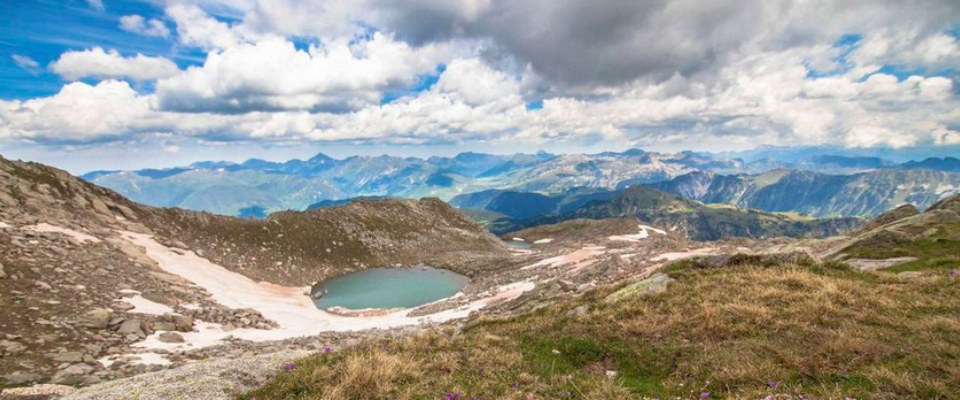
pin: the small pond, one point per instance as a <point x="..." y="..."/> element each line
<point x="517" y="244"/>
<point x="388" y="288"/>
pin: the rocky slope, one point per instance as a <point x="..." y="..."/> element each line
<point x="78" y="290"/>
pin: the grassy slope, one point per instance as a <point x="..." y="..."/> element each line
<point x="936" y="246"/>
<point x="823" y="331"/>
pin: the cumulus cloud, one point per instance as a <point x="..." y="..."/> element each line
<point x="273" y="75"/>
<point x="97" y="63"/>
<point x="196" y="28"/>
<point x="141" y="26"/>
<point x="78" y="113"/>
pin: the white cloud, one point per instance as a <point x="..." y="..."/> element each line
<point x="26" y="63"/>
<point x="141" y="26"/>
<point x="78" y="113"/>
<point x="97" y="63"/>
<point x="96" y="5"/>
<point x="196" y="28"/>
<point x="623" y="72"/>
<point x="476" y="83"/>
<point x="273" y="74"/>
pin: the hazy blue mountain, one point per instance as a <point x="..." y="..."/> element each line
<point x="534" y="181"/>
<point x="864" y="194"/>
<point x="946" y="164"/>
<point x="228" y="188"/>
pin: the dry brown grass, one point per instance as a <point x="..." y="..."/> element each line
<point x="821" y="331"/>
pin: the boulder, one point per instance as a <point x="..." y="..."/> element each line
<point x="183" y="322"/>
<point x="163" y="326"/>
<point x="656" y="283"/>
<point x="97" y="318"/>
<point x="68" y="357"/>
<point x="171" y="337"/>
<point x="131" y="326"/>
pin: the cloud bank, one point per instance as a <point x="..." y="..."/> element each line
<point x="719" y="75"/>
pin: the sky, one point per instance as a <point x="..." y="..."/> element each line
<point x="111" y="84"/>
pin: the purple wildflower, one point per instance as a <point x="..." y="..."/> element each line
<point x="515" y="386"/>
<point x="773" y="384"/>
<point x="704" y="395"/>
<point x="289" y="366"/>
<point x="453" y="396"/>
<point x="954" y="273"/>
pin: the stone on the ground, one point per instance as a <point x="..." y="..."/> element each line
<point x="184" y="323"/>
<point x="130" y="326"/>
<point x="656" y="283"/>
<point x="69" y="357"/>
<point x="97" y="318"/>
<point x="171" y="337"/>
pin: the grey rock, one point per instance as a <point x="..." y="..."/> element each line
<point x="130" y="326"/>
<point x="68" y="357"/>
<point x="171" y="337"/>
<point x="656" y="283"/>
<point x="582" y="310"/>
<point x="97" y="318"/>
<point x="163" y="326"/>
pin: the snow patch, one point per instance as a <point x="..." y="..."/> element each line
<point x="576" y="261"/>
<point x="80" y="237"/>
<point x="145" y="306"/>
<point x="947" y="190"/>
<point x="643" y="234"/>
<point x="543" y="241"/>
<point x="682" y="255"/>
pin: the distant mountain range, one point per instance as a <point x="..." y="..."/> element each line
<point x="690" y="218"/>
<point x="230" y="188"/>
<point x="257" y="187"/>
<point x="865" y="194"/>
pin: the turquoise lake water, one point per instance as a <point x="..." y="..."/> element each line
<point x="389" y="288"/>
<point x="517" y="244"/>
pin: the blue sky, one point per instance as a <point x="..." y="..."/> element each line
<point x="125" y="84"/>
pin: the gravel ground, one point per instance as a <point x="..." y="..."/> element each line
<point x="203" y="380"/>
<point x="36" y="392"/>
